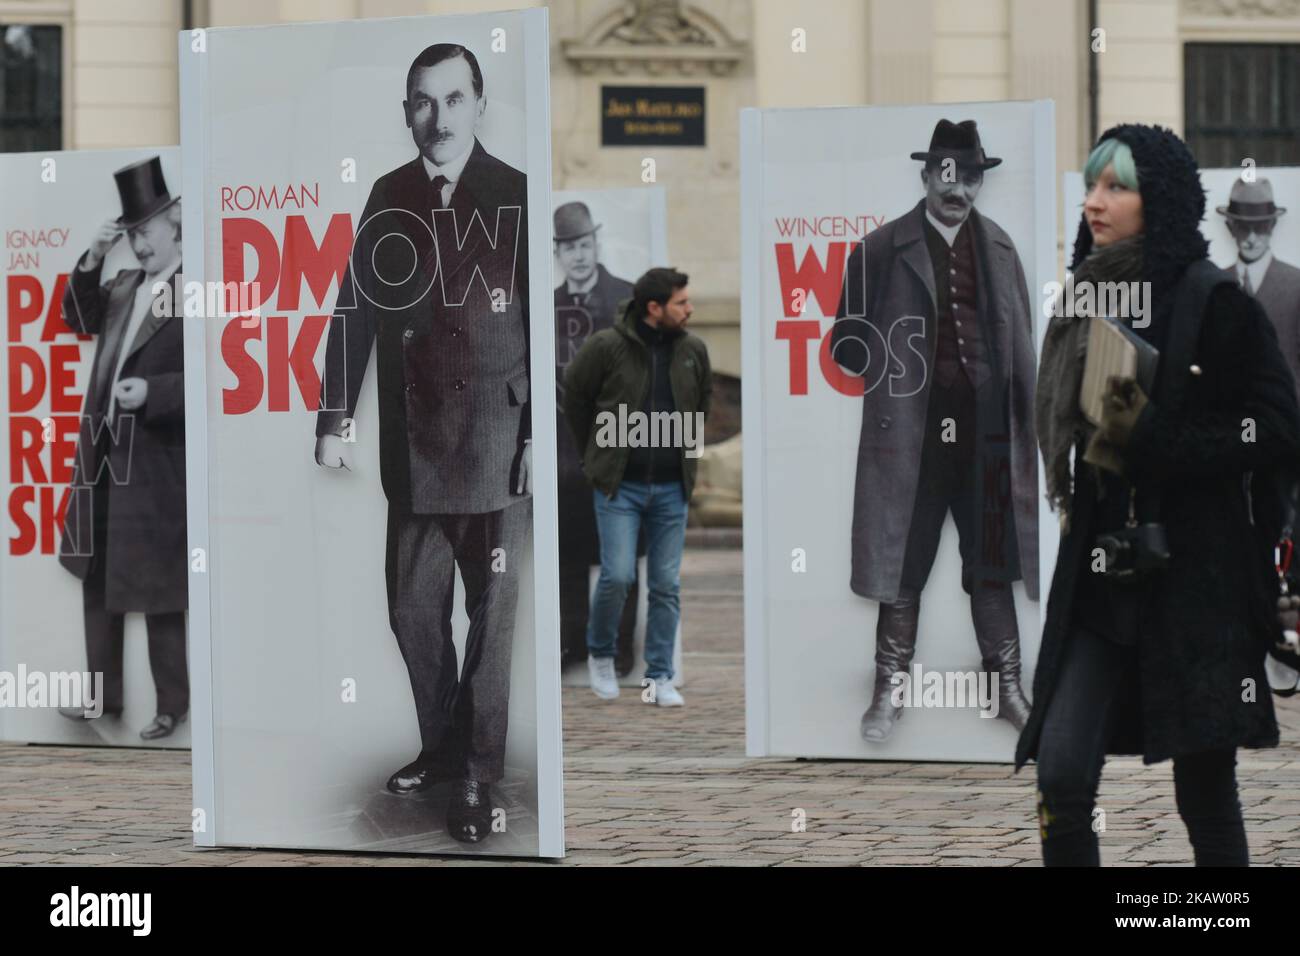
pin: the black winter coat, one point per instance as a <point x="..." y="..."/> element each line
<point x="1213" y="615"/>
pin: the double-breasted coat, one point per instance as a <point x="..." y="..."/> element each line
<point x="890" y="303"/>
<point x="448" y="319"/>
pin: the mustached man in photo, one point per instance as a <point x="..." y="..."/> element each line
<point x="954" y="434"/>
<point x="449" y="324"/>
<point x="1252" y="217"/>
<point x="124" y="530"/>
<point x="586" y="301"/>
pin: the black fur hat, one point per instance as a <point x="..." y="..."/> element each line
<point x="1173" y="203"/>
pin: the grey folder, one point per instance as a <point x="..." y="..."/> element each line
<point x="1114" y="349"/>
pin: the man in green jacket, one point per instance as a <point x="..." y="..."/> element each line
<point x="636" y="396"/>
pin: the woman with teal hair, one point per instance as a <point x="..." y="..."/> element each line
<point x="1160" y="611"/>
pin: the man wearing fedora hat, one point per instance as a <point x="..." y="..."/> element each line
<point x="124" y="529"/>
<point x="585" y="302"/>
<point x="1251" y="217"/>
<point x="954" y="433"/>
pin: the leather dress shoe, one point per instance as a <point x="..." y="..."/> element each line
<point x="419" y="774"/>
<point x="162" y="726"/>
<point x="80" y="713"/>
<point x="469" y="811"/>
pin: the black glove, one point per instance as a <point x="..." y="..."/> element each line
<point x="1122" y="403"/>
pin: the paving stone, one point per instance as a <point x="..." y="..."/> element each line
<point x="645" y="787"/>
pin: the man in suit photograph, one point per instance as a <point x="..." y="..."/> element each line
<point x="445" y="307"/>
<point x="586" y="301"/>
<point x="1252" y="217"/>
<point x="952" y="433"/>
<point x="124" y="528"/>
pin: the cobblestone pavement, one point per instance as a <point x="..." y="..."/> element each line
<point x="673" y="787"/>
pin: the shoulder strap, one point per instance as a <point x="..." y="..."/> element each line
<point x="1199" y="280"/>
<point x="1193" y="294"/>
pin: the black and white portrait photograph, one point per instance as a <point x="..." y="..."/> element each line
<point x="96" y="574"/>
<point x="603" y="239"/>
<point x="892" y="314"/>
<point x="394" y="548"/>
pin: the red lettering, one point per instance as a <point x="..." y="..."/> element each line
<point x="236" y="233"/>
<point x="25" y="444"/>
<point x="25" y="540"/>
<point x="25" y="365"/>
<point x="25" y="300"/>
<point x="280" y="360"/>
<point x="54" y="323"/>
<point x="798" y="334"/>
<point x="63" y="378"/>
<point x="810" y="278"/>
<point x="318" y="265"/>
<point x="247" y="393"/>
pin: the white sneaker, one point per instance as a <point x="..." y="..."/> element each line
<point x="604" y="683"/>
<point x="666" y="695"/>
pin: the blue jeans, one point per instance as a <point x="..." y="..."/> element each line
<point x="661" y="508"/>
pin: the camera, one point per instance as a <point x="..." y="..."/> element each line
<point x="1134" y="550"/>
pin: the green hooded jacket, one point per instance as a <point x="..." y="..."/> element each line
<point x="613" y="368"/>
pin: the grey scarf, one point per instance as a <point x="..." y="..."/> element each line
<point x="1060" y="421"/>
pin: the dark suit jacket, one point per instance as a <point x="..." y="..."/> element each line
<point x="453" y="372"/>
<point x="1279" y="294"/>
<point x="573" y="326"/>
<point x="146" y="566"/>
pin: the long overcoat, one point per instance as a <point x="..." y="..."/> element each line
<point x="141" y="454"/>
<point x="889" y="303"/>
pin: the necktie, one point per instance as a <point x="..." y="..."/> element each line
<point x="1245" y="282"/>
<point x="438" y="183"/>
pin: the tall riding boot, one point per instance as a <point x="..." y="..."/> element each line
<point x="895" y="644"/>
<point x="993" y="611"/>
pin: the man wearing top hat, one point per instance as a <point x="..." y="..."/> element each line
<point x="935" y="317"/>
<point x="585" y="302"/>
<point x="124" y="529"/>
<point x="1251" y="218"/>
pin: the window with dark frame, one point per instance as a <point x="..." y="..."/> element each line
<point x="31" y="87"/>
<point x="1242" y="101"/>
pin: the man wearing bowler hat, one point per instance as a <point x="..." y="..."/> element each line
<point x="935" y="317"/>
<point x="1251" y="217"/>
<point x="585" y="302"/>
<point x="124" y="530"/>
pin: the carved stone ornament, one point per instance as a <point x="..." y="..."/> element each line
<point x="1242" y="8"/>
<point x="655" y="37"/>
